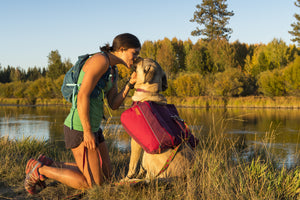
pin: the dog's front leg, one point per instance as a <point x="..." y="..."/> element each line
<point x="136" y="152"/>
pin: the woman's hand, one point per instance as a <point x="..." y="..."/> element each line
<point x="89" y="140"/>
<point x="132" y="79"/>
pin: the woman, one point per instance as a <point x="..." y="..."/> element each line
<point x="85" y="138"/>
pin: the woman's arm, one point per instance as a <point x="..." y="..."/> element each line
<point x="114" y="98"/>
<point x="94" y="68"/>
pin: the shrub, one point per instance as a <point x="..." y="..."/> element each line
<point x="272" y="83"/>
<point x="228" y="83"/>
<point x="189" y="85"/>
<point x="292" y="77"/>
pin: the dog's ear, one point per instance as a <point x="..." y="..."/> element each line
<point x="149" y="71"/>
<point x="164" y="85"/>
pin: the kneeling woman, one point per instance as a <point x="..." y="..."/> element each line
<point x="81" y="127"/>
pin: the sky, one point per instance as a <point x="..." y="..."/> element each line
<point x="31" y="29"/>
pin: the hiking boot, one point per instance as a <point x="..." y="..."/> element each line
<point x="33" y="176"/>
<point x="30" y="164"/>
<point x="45" y="160"/>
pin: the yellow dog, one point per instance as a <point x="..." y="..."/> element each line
<point x="151" y="79"/>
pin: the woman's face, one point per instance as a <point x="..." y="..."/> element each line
<point x="130" y="55"/>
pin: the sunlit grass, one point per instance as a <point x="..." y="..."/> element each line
<point x="220" y="171"/>
<point x="201" y="101"/>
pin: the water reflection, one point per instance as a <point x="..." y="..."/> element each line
<point x="252" y="124"/>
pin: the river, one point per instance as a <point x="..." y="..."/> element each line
<point x="46" y="123"/>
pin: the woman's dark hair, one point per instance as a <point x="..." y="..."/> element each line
<point x="125" y="40"/>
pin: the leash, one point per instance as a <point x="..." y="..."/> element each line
<point x="129" y="182"/>
<point x="169" y="160"/>
<point x="164" y="168"/>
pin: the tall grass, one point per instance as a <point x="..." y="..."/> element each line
<point x="224" y="168"/>
<point x="290" y="102"/>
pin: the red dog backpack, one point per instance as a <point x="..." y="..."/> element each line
<point x="156" y="127"/>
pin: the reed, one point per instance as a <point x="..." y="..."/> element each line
<point x="224" y="168"/>
<point x="288" y="102"/>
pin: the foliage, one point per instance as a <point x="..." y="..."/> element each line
<point x="5" y="74"/>
<point x="7" y="90"/>
<point x="296" y="26"/>
<point x="166" y="57"/>
<point x="272" y="83"/>
<point x="198" y="60"/>
<point x="213" y="15"/>
<point x="274" y="55"/>
<point x="214" y="63"/>
<point x="277" y="54"/>
<point x="189" y="85"/>
<point x="222" y="55"/>
<point x="241" y="50"/>
<point x="148" y="50"/>
<point x="228" y="83"/>
<point x="55" y="65"/>
<point x="292" y="77"/>
<point x="179" y="53"/>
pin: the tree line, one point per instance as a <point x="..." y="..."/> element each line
<point x="211" y="67"/>
<point x="206" y="68"/>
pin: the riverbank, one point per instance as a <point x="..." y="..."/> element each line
<point x="202" y="101"/>
<point x="220" y="171"/>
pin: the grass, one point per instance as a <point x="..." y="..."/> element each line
<point x="201" y="101"/>
<point x="238" y="102"/>
<point x="221" y="171"/>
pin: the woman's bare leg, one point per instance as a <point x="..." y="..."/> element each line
<point x="67" y="165"/>
<point x="106" y="163"/>
<point x="80" y="177"/>
<point x="72" y="178"/>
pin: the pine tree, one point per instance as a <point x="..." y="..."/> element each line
<point x="213" y="15"/>
<point x="55" y="65"/>
<point x="296" y="26"/>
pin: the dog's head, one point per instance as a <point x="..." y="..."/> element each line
<point x="150" y="75"/>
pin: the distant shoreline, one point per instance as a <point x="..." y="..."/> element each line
<point x="195" y="102"/>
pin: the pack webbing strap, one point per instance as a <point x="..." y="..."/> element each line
<point x="169" y="160"/>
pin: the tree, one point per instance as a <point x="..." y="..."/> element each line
<point x="197" y="60"/>
<point x="292" y="77"/>
<point x="5" y="74"/>
<point x="222" y="55"/>
<point x="213" y="15"/>
<point x="241" y="51"/>
<point x="68" y="64"/>
<point x="228" y="83"/>
<point x="180" y="53"/>
<point x="272" y="83"/>
<point x="166" y="57"/>
<point x="33" y="74"/>
<point x="148" y="50"/>
<point x="17" y="74"/>
<point x="296" y="26"/>
<point x="55" y="65"/>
